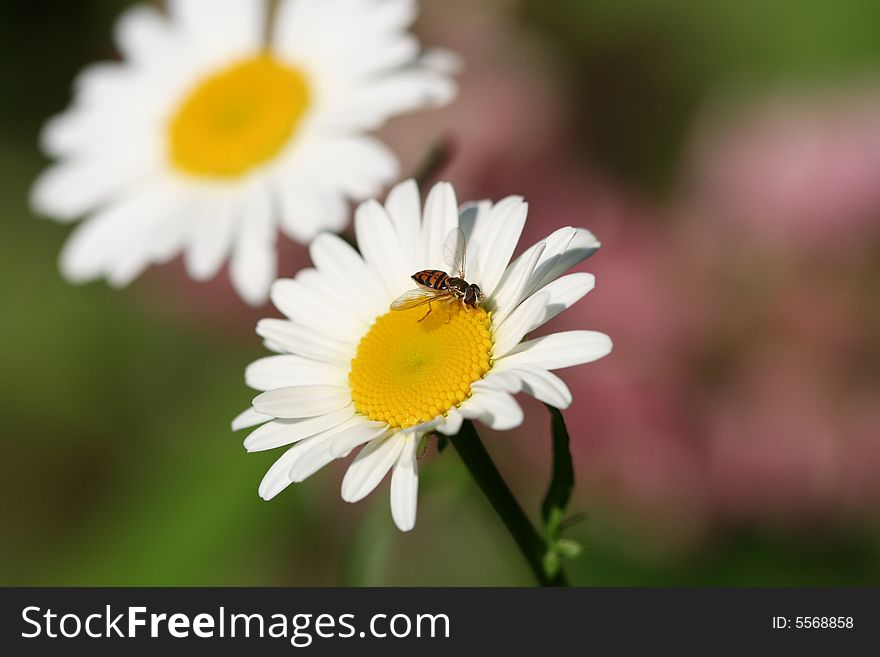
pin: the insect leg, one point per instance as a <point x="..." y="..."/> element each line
<point x="427" y="313"/>
<point x="449" y="303"/>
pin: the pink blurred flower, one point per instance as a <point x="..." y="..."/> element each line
<point x="780" y="445"/>
<point x="803" y="169"/>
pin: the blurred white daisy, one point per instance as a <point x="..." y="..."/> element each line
<point x="353" y="372"/>
<point x="214" y="131"/>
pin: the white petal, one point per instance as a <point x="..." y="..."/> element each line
<point x="302" y="25"/>
<point x="298" y="463"/>
<point x="558" y="350"/>
<point x="354" y="436"/>
<point x="105" y="84"/>
<point x="396" y="53"/>
<point x="306" y="211"/>
<point x="305" y="342"/>
<point x="254" y="262"/>
<point x="405" y="210"/>
<point x="211" y="238"/>
<point x="273" y="346"/>
<point x="494" y="239"/>
<point x="370" y="106"/>
<point x="442" y="60"/>
<point x="471" y="213"/>
<point x="334" y="257"/>
<point x="277" y="478"/>
<point x="370" y="466"/>
<point x="70" y="189"/>
<point x="494" y="408"/>
<point x="311" y="460"/>
<point x="367" y="65"/>
<point x="364" y="307"/>
<point x="424" y="427"/>
<point x="249" y="418"/>
<point x="349" y="275"/>
<point x="142" y="34"/>
<point x="452" y="425"/>
<point x="562" y="250"/>
<point x="525" y="318"/>
<point x="67" y="133"/>
<point x="117" y="136"/>
<point x="540" y="384"/>
<point x="93" y="242"/>
<point x="314" y="309"/>
<point x="563" y="293"/>
<point x="405" y="487"/>
<point x="288" y="370"/>
<point x="390" y="16"/>
<point x="153" y="242"/>
<point x="538" y="309"/>
<point x="278" y="333"/>
<point x="221" y="29"/>
<point x="356" y="166"/>
<point x="278" y="433"/>
<point x="122" y="240"/>
<point x="302" y="401"/>
<point x="441" y="216"/>
<point x="509" y="292"/>
<point x="377" y="241"/>
<point x="565" y="248"/>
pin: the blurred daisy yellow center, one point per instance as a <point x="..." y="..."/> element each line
<point x="238" y="118"/>
<point x="407" y="371"/>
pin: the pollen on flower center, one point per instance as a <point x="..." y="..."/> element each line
<point x="237" y="118"/>
<point x="407" y="371"/>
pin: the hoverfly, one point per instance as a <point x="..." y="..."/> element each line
<point x="435" y="285"/>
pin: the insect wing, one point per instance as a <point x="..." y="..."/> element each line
<point x="414" y="299"/>
<point x="454" y="252"/>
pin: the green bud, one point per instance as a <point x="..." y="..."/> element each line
<point x="568" y="548"/>
<point x="551" y="563"/>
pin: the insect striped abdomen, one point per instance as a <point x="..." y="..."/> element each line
<point x="431" y="278"/>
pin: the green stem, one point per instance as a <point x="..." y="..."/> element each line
<point x="433" y="163"/>
<point x="533" y="547"/>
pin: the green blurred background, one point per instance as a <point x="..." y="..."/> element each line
<point x="119" y="466"/>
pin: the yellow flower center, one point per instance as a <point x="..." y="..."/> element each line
<point x="408" y="371"/>
<point x="238" y="118"/>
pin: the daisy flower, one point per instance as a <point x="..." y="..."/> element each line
<point x="351" y="372"/>
<point x="214" y="132"/>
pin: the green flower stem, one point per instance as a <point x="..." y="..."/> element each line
<point x="469" y="446"/>
<point x="433" y="163"/>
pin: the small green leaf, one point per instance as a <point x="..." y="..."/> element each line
<point x="423" y="446"/>
<point x="562" y="479"/>
<point x="572" y="520"/>
<point x="568" y="548"/>
<point x="552" y="564"/>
